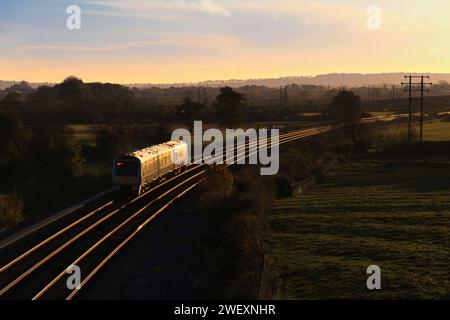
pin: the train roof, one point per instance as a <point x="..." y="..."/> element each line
<point x="151" y="152"/>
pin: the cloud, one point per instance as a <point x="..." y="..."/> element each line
<point x="212" y="8"/>
<point x="138" y="6"/>
<point x="187" y="40"/>
<point x="121" y="46"/>
<point x="207" y="6"/>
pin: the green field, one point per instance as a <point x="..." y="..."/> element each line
<point x="436" y="131"/>
<point x="392" y="214"/>
<point x="82" y="132"/>
<point x="381" y="113"/>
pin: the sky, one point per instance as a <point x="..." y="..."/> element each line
<point x="172" y="41"/>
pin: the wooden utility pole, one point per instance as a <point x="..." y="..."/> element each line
<point x="410" y="110"/>
<point x="204" y="96"/>
<point x="281" y="96"/>
<point x="285" y="95"/>
<point x="410" y="90"/>
<point x="422" y="87"/>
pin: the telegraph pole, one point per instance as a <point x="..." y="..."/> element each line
<point x="285" y="95"/>
<point x="281" y="96"/>
<point x="422" y="87"/>
<point x="410" y="110"/>
<point x="204" y="96"/>
<point x="410" y="84"/>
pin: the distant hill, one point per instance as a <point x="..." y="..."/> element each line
<point x="332" y="80"/>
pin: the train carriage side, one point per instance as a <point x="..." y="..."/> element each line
<point x="156" y="164"/>
<point x="150" y="170"/>
<point x="165" y="158"/>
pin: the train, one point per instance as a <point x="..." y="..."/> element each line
<point x="137" y="172"/>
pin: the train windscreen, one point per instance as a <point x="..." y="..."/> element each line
<point x="126" y="169"/>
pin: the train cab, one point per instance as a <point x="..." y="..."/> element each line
<point x="126" y="175"/>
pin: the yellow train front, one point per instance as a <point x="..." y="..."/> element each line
<point x="137" y="172"/>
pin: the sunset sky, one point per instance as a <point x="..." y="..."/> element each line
<point x="164" y="41"/>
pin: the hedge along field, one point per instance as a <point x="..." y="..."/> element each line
<point x="392" y="214"/>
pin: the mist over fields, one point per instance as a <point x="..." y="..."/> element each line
<point x="332" y="80"/>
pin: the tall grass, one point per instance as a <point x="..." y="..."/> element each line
<point x="392" y="139"/>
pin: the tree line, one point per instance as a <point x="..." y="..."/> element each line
<point x="75" y="102"/>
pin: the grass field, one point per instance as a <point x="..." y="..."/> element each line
<point x="82" y="132"/>
<point x="381" y="113"/>
<point x="392" y="214"/>
<point x="437" y="131"/>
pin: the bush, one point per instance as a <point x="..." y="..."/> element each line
<point x="392" y="140"/>
<point x="284" y="186"/>
<point x="53" y="155"/>
<point x="344" y="148"/>
<point x="238" y="207"/>
<point x="11" y="208"/>
<point x="301" y="159"/>
<point x="217" y="187"/>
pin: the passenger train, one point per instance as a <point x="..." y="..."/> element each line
<point x="141" y="170"/>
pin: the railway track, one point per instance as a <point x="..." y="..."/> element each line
<point x="34" y="266"/>
<point x="37" y="269"/>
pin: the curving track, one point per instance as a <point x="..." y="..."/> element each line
<point x="35" y="267"/>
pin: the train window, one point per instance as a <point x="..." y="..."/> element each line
<point x="126" y="169"/>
